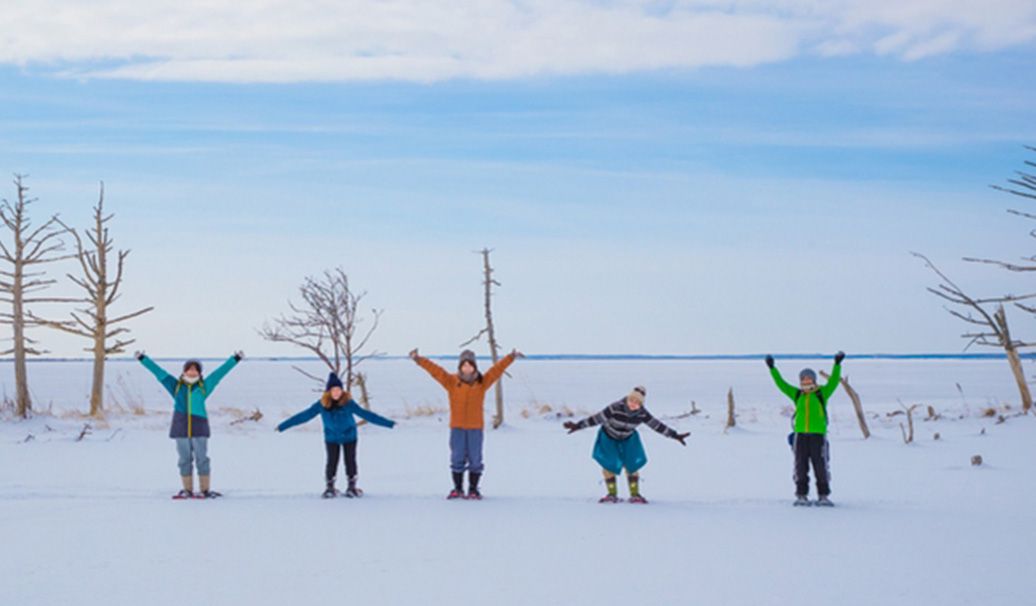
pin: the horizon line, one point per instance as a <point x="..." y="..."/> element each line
<point x="587" y="357"/>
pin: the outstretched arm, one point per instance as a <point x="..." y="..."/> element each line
<point x="590" y="421"/>
<point x="659" y="426"/>
<point x="836" y="375"/>
<point x="217" y="375"/>
<point x="438" y="372"/>
<point x="303" y="417"/>
<point x="370" y="417"/>
<point x="493" y="374"/>
<point x="167" y="380"/>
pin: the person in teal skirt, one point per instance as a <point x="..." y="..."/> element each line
<point x="618" y="444"/>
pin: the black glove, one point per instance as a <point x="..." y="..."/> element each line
<point x="139" y="355"/>
<point x="680" y="437"/>
<point x="839" y="357"/>
<point x="239" y="355"/>
<point x="571" y="426"/>
<point x="769" y="361"/>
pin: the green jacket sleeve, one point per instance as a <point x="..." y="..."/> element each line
<point x="217" y="375"/>
<point x="167" y="380"/>
<point x="832" y="383"/>
<point x="786" y="388"/>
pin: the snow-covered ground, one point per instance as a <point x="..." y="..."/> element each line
<point x="91" y="522"/>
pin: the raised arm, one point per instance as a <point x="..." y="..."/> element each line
<point x="786" y="388"/>
<point x="167" y="380"/>
<point x="303" y="417"/>
<point x="217" y="375"/>
<point x="438" y="372"/>
<point x="370" y="417"/>
<point x="493" y="374"/>
<point x="836" y="376"/>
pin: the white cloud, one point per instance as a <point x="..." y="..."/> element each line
<point x="314" y="40"/>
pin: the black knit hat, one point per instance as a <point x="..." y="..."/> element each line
<point x="195" y="363"/>
<point x="333" y="381"/>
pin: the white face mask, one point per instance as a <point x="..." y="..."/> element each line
<point x="189" y="380"/>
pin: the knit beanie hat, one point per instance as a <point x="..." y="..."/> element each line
<point x="807" y="373"/>
<point x="639" y="394"/>
<point x="333" y="381"/>
<point x="467" y="356"/>
<point x="192" y="363"/>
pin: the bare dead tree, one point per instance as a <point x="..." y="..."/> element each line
<point x="908" y="432"/>
<point x="101" y="289"/>
<point x="731" y="417"/>
<point x="328" y="324"/>
<point x="857" y="404"/>
<point x="488" y="282"/>
<point x="1024" y="186"/>
<point x="28" y="248"/>
<point x="989" y="329"/>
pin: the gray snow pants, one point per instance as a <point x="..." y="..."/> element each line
<point x="193" y="452"/>
<point x="466" y="450"/>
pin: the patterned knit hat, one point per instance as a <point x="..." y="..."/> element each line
<point x="639" y="394"/>
<point x="467" y="356"/>
<point x="808" y="373"/>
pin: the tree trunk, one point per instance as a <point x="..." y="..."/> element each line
<point x="97" y="387"/>
<point x="857" y="405"/>
<point x="23" y="401"/>
<point x="1010" y="348"/>
<point x="361" y="382"/>
<point x="731" y="421"/>
<point x="1019" y="376"/>
<point x="494" y="352"/>
<point x="21" y="376"/>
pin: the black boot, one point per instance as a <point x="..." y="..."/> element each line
<point x="473" y="492"/>
<point x="330" y="492"/>
<point x="458" y="486"/>
<point x="352" y="491"/>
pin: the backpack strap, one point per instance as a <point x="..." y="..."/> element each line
<point x="820" y="396"/>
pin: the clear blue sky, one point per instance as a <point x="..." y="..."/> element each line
<point x="754" y="189"/>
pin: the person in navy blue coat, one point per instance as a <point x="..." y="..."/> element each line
<point x="337" y="410"/>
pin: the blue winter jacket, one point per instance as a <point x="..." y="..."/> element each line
<point x="190" y="418"/>
<point x="339" y="423"/>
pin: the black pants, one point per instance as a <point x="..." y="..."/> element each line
<point x="811" y="448"/>
<point x="332" y="459"/>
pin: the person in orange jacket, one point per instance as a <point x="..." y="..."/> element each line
<point x="467" y="393"/>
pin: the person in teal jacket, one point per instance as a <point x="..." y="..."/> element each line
<point x="190" y="424"/>
<point x="337" y="410"/>
<point x="809" y="438"/>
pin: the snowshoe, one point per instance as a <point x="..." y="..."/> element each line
<point x="208" y="494"/>
<point x="183" y="494"/>
<point x="802" y="501"/>
<point x="455" y="494"/>
<point x="638" y="500"/>
<point x="474" y="495"/>
<point x="330" y="493"/>
<point x="824" y="501"/>
<point x="609" y="498"/>
<point x="353" y="492"/>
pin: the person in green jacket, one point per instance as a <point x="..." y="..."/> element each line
<point x="190" y="424"/>
<point x="809" y="440"/>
